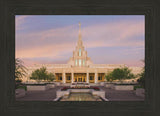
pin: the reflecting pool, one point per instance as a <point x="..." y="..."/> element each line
<point x="80" y="97"/>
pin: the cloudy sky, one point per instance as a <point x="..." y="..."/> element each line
<point x="108" y="39"/>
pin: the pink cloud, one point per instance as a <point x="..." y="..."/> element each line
<point x="20" y="20"/>
<point x="53" y="43"/>
<point x="113" y="34"/>
<point x="45" y="51"/>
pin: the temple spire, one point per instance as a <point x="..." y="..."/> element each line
<point x="80" y="36"/>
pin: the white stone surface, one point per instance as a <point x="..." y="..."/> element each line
<point x="36" y="87"/>
<point x="49" y="86"/>
<point x="80" y="90"/>
<point x="87" y="77"/>
<point x="72" y="77"/>
<point x="123" y="87"/>
<point x="109" y="85"/>
<point x="96" y="77"/>
<point x="60" y="93"/>
<point x="105" y="99"/>
<point x="99" y="93"/>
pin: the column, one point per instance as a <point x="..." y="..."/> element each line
<point x="72" y="78"/>
<point x="87" y="77"/>
<point x="96" y="77"/>
<point x="64" y="77"/>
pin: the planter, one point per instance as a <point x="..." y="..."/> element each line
<point x="49" y="86"/>
<point x="140" y="92"/>
<point x="94" y="84"/>
<point x="102" y="83"/>
<point x="58" y="83"/>
<point x="36" y="87"/>
<point x="109" y="85"/>
<point x="123" y="87"/>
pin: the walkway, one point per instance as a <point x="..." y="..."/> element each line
<point x="119" y="95"/>
<point x="111" y="95"/>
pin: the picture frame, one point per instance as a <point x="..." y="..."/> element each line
<point x="148" y="8"/>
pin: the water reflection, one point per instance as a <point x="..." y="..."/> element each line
<point x="81" y="97"/>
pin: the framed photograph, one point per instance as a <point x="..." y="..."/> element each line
<point x="80" y="58"/>
<point x="45" y="71"/>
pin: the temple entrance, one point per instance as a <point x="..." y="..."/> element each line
<point x="80" y="77"/>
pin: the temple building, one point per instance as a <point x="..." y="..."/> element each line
<point x="79" y="68"/>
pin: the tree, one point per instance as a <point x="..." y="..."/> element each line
<point x="109" y="77"/>
<point x="141" y="80"/>
<point x="20" y="69"/>
<point x="51" y="77"/>
<point x="42" y="74"/>
<point x="120" y="74"/>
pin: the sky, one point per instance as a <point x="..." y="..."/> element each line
<point x="108" y="39"/>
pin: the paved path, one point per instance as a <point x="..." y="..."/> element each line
<point x="47" y="95"/>
<point x="119" y="95"/>
<point x="111" y="95"/>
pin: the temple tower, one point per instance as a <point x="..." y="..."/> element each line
<point x="80" y="57"/>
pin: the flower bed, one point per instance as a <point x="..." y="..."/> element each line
<point x="78" y="87"/>
<point x="64" y="88"/>
<point x="96" y="88"/>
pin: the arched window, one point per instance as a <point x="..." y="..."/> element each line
<point x="79" y="51"/>
<point x="79" y="62"/>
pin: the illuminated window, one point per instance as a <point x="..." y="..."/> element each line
<point x="91" y="78"/>
<point x="83" y="62"/>
<point x="79" y="51"/>
<point x="59" y="78"/>
<point x="68" y="78"/>
<point x="76" y="62"/>
<point x="79" y="62"/>
<point x="100" y="78"/>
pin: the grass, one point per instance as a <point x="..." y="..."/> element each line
<point x="137" y="86"/>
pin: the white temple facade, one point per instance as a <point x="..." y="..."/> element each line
<point x="79" y="68"/>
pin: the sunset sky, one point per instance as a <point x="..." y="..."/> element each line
<point x="108" y="39"/>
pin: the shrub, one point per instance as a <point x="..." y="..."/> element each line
<point x="22" y="87"/>
<point x="137" y="86"/>
<point x="141" y="80"/>
<point x="42" y="74"/>
<point x="120" y="74"/>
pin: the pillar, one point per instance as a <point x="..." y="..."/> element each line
<point x="64" y="77"/>
<point x="72" y="78"/>
<point x="96" y="77"/>
<point x="87" y="77"/>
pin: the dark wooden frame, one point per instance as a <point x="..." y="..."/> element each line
<point x="149" y="8"/>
